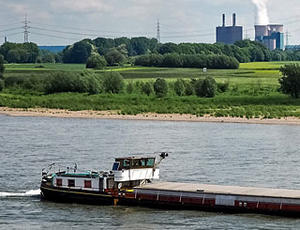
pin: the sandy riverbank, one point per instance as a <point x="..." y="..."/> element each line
<point x="43" y="112"/>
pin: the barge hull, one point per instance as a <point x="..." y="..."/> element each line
<point x="75" y="196"/>
<point x="231" y="199"/>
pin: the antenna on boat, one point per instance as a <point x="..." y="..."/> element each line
<point x="162" y="156"/>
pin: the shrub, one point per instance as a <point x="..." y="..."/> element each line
<point x="179" y="87"/>
<point x="113" y="82"/>
<point x="129" y="88"/>
<point x="96" y="61"/>
<point x="206" y="87"/>
<point x="161" y="87"/>
<point x="73" y="82"/>
<point x="147" y="88"/>
<point x="189" y="88"/>
<point x="290" y="82"/>
<point x="2" y="68"/>
<point x="223" y="86"/>
<point x="1" y="85"/>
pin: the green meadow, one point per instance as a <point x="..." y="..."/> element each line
<point x="253" y="92"/>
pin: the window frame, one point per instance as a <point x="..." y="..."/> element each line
<point x="87" y="184"/>
<point x="59" y="182"/>
<point x="71" y="184"/>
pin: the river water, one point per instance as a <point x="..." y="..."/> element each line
<point x="214" y="153"/>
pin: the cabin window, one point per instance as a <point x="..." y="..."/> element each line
<point x="88" y="184"/>
<point x="126" y="163"/>
<point x="71" y="183"/>
<point x="58" y="182"/>
<point x="115" y="166"/>
<point x="150" y="162"/>
<point x="136" y="163"/>
<point x="143" y="162"/>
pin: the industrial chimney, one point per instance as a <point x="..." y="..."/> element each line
<point x="234" y="19"/>
<point x="224" y="20"/>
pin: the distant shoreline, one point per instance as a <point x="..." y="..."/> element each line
<point x="62" y="113"/>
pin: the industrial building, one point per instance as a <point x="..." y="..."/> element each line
<point x="270" y="35"/>
<point x="229" y="34"/>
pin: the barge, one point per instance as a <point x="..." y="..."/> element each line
<point x="132" y="182"/>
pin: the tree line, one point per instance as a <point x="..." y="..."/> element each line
<point x="123" y="50"/>
<point x="211" y="61"/>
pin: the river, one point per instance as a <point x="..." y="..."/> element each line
<point x="214" y="153"/>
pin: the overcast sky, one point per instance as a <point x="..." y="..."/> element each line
<point x="62" y="22"/>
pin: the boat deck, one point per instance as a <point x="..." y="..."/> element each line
<point x="222" y="190"/>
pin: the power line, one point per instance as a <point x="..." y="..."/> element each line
<point x="91" y="30"/>
<point x="53" y="36"/>
<point x="189" y="36"/>
<point x="11" y="29"/>
<point x="11" y="24"/>
<point x="64" y="32"/>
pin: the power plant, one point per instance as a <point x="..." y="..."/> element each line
<point x="229" y="34"/>
<point x="271" y="36"/>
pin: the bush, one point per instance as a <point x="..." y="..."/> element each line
<point x="189" y="88"/>
<point x="96" y="61"/>
<point x="206" y="87"/>
<point x="161" y="87"/>
<point x="1" y="85"/>
<point x="223" y="86"/>
<point x="113" y="82"/>
<point x="179" y="87"/>
<point x="2" y="68"/>
<point x="147" y="88"/>
<point x="129" y="88"/>
<point x="73" y="82"/>
<point x="290" y="82"/>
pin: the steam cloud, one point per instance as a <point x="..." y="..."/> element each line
<point x="262" y="17"/>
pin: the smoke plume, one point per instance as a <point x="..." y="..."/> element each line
<point x="262" y="17"/>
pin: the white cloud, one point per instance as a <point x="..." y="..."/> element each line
<point x="81" y="6"/>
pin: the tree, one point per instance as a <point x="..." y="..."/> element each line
<point x="206" y="87"/>
<point x="161" y="87"/>
<point x="172" y="60"/>
<point x="46" y="56"/>
<point x="168" y="48"/>
<point x="179" y="87"/>
<point x="96" y="61"/>
<point x="2" y="68"/>
<point x="114" y="57"/>
<point x="290" y="82"/>
<point x="113" y="82"/>
<point x="13" y="56"/>
<point x="77" y="53"/>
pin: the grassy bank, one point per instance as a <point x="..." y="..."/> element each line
<point x="274" y="106"/>
<point x="253" y="92"/>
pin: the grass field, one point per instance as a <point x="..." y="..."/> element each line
<point x="253" y="92"/>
